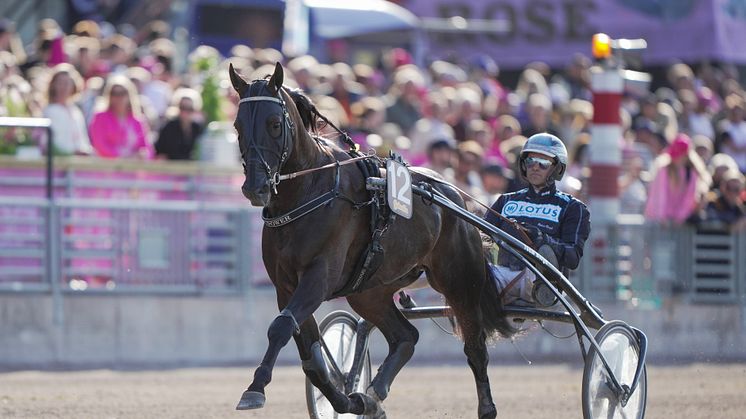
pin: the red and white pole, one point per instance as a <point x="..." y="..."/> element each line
<point x="607" y="85"/>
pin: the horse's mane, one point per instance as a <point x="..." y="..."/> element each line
<point x="306" y="108"/>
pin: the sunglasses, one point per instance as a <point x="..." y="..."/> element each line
<point x="186" y="108"/>
<point x="544" y="164"/>
<point x="117" y="92"/>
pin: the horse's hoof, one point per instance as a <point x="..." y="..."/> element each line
<point x="371" y="407"/>
<point x="251" y="400"/>
<point x="490" y="413"/>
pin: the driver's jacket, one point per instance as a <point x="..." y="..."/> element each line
<point x="563" y="219"/>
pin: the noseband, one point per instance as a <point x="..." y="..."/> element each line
<point x="288" y="130"/>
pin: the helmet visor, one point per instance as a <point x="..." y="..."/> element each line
<point x="544" y="164"/>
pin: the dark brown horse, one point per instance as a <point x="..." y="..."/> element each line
<point x="311" y="250"/>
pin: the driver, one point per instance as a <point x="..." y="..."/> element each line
<point x="556" y="223"/>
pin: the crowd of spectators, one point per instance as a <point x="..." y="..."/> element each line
<point x="116" y="94"/>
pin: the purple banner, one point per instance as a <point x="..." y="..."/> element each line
<point x="552" y="30"/>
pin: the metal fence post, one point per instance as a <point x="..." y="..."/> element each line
<point x="53" y="261"/>
<point x="52" y="245"/>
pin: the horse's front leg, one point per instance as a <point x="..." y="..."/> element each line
<point x="317" y="370"/>
<point x="298" y="307"/>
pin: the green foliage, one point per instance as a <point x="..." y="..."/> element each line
<point x="205" y="62"/>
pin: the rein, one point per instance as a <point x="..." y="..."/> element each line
<point x="326" y="166"/>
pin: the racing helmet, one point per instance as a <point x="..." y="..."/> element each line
<point x="550" y="146"/>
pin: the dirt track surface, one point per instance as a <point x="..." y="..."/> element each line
<point x="535" y="392"/>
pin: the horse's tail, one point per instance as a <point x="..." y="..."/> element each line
<point x="491" y="307"/>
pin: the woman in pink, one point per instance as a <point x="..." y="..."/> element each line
<point x="679" y="184"/>
<point x="120" y="130"/>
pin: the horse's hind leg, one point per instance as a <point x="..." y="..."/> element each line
<point x="475" y="348"/>
<point x="377" y="306"/>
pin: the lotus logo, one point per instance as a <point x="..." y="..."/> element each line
<point x="546" y="212"/>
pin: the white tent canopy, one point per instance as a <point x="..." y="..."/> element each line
<point x="337" y="19"/>
<point x="333" y="19"/>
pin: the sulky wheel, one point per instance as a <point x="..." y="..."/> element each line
<point x="621" y="350"/>
<point x="338" y="332"/>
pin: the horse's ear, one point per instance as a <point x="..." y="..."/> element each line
<point x="238" y="83"/>
<point x="277" y="78"/>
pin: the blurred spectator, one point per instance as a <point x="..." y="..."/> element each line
<point x="343" y="87"/>
<point x="539" y="110"/>
<point x="430" y="128"/>
<point x="10" y="41"/>
<point x="484" y="72"/>
<point x="649" y="141"/>
<point x="495" y="180"/>
<point x="177" y="139"/>
<point x="118" y="51"/>
<point x="530" y="82"/>
<point x="574" y="119"/>
<point x="140" y="79"/>
<point x="120" y="130"/>
<point x="734" y="125"/>
<point x="703" y="147"/>
<point x="633" y="193"/>
<point x="367" y="117"/>
<point x="648" y="117"/>
<point x="85" y="56"/>
<point x="577" y="78"/>
<point x="725" y="206"/>
<point x="440" y="156"/>
<point x="720" y="164"/>
<point x="466" y="173"/>
<point x="577" y="167"/>
<point x="405" y="107"/>
<point x="68" y="124"/>
<point x="41" y="53"/>
<point x="93" y="89"/>
<point x="468" y="109"/>
<point x="370" y="78"/>
<point x="679" y="184"/>
<point x="694" y="118"/>
<point x="87" y="28"/>
<point x="511" y="149"/>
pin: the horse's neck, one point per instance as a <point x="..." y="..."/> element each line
<point x="291" y="193"/>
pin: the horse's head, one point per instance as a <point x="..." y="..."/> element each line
<point x="265" y="133"/>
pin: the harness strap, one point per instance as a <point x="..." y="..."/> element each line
<point x="372" y="258"/>
<point x="304" y="209"/>
<point x="260" y="99"/>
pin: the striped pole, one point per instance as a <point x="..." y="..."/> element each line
<point x="605" y="151"/>
<point x="607" y="85"/>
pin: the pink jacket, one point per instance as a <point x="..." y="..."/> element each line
<point x="668" y="204"/>
<point x="112" y="138"/>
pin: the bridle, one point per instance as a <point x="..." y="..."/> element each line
<point x="274" y="178"/>
<point x="288" y="130"/>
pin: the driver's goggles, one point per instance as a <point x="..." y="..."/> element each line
<point x="543" y="163"/>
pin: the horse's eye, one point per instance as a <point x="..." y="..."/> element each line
<point x="274" y="127"/>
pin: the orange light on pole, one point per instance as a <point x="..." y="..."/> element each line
<point x="601" y="46"/>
